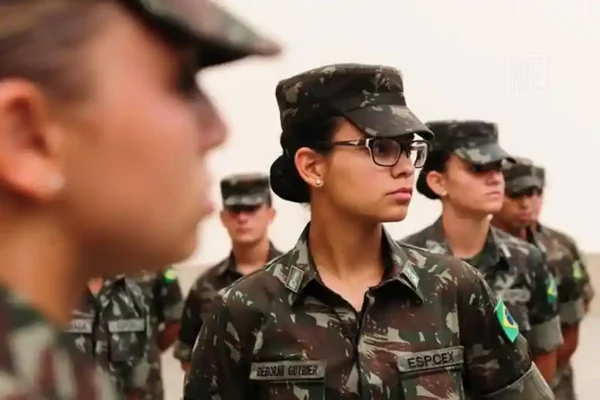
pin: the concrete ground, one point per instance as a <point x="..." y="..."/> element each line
<point x="586" y="358"/>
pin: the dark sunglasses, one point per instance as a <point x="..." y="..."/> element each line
<point x="242" y="208"/>
<point x="529" y="192"/>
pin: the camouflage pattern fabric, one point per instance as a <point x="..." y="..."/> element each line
<point x="371" y="97"/>
<point x="200" y="298"/>
<point x="39" y="362"/>
<point x="517" y="273"/>
<point x="476" y="142"/>
<point x="540" y="173"/>
<point x="520" y="176"/>
<point x="163" y="294"/>
<point x="113" y="328"/>
<point x="245" y="190"/>
<point x="221" y="37"/>
<point x="430" y="330"/>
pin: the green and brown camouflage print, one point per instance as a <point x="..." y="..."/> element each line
<point x="164" y="297"/>
<point x="475" y="142"/>
<point x="199" y="299"/>
<point x="113" y="327"/>
<point x="38" y="360"/>
<point x="371" y="97"/>
<point x="518" y="274"/>
<point x="430" y="330"/>
<point x="245" y="190"/>
<point x="521" y="176"/>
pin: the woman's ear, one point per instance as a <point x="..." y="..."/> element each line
<point x="437" y="183"/>
<point x="309" y="165"/>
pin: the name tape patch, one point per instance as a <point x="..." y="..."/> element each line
<point x="127" y="325"/>
<point x="287" y="370"/>
<point x="81" y="326"/>
<point x="442" y="358"/>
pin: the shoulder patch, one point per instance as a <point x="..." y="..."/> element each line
<point x="577" y="271"/>
<point x="551" y="290"/>
<point x="170" y="275"/>
<point x="507" y="322"/>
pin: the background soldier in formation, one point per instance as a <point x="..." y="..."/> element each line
<point x="165" y="300"/>
<point x="464" y="171"/>
<point x="247" y="214"/>
<point x="112" y="327"/>
<point x="516" y="217"/>
<point x="348" y="313"/>
<point x="94" y="180"/>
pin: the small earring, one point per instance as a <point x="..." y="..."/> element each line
<point x="318" y="182"/>
<point x="56" y="182"/>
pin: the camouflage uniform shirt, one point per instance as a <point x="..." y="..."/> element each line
<point x="113" y="328"/>
<point x="428" y="330"/>
<point x="516" y="271"/>
<point x="164" y="297"/>
<point x="199" y="299"/>
<point x="38" y="360"/>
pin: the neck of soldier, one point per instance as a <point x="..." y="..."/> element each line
<point x="465" y="234"/>
<point x="519" y="232"/>
<point x="39" y="265"/>
<point x="345" y="248"/>
<point x="252" y="256"/>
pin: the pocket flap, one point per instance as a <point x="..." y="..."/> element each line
<point x="81" y="326"/>
<point x="431" y="359"/>
<point x="127" y="325"/>
<point x="288" y="370"/>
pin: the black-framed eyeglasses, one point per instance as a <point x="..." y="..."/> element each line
<point x="386" y="152"/>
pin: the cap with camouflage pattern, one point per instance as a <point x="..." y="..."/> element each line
<point x="473" y="141"/>
<point x="540" y="173"/>
<point x="520" y="176"/>
<point x="245" y="190"/>
<point x="371" y="97"/>
<point x="221" y="37"/>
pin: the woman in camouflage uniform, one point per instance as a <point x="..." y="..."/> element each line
<point x="348" y="313"/>
<point x="103" y="139"/>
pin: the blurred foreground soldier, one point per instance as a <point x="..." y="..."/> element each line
<point x="163" y="294"/>
<point x="564" y="384"/>
<point x="516" y="217"/>
<point x="112" y="326"/>
<point x="104" y="134"/>
<point x="348" y="313"/>
<point x="247" y="214"/>
<point x="464" y="171"/>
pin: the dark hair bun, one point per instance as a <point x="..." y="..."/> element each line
<point x="423" y="187"/>
<point x="286" y="182"/>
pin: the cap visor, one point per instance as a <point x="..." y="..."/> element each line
<point x="388" y="121"/>
<point x="484" y="154"/>
<point x="523" y="183"/>
<point x="222" y="37"/>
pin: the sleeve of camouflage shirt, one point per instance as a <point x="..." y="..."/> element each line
<point x="142" y="365"/>
<point x="191" y="322"/>
<point x="218" y="369"/>
<point x="580" y="262"/>
<point x="168" y="298"/>
<point x="497" y="361"/>
<point x="545" y="334"/>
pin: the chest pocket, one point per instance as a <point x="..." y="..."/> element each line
<point x="81" y="331"/>
<point x="289" y="379"/>
<point x="433" y="374"/>
<point x="127" y="339"/>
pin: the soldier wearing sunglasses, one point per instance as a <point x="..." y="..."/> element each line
<point x="247" y="214"/>
<point x="464" y="172"/>
<point x="519" y="216"/>
<point x="348" y="313"/>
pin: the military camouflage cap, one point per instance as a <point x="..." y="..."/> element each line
<point x="371" y="97"/>
<point x="540" y="173"/>
<point x="220" y="36"/>
<point x="245" y="190"/>
<point x="473" y="141"/>
<point x="520" y="176"/>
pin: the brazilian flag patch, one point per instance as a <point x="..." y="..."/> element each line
<point x="551" y="290"/>
<point x="507" y="322"/>
<point x="170" y="275"/>
<point x="577" y="271"/>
